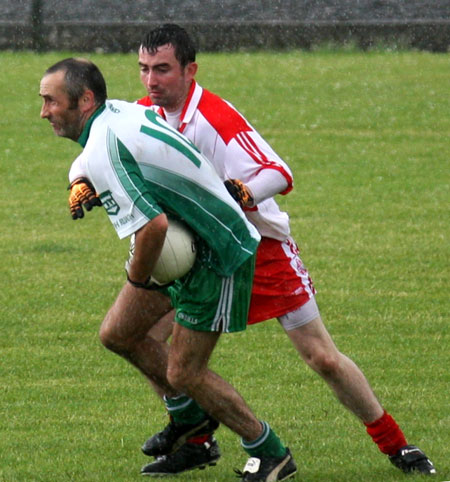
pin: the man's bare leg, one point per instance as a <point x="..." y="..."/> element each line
<point x="161" y="332"/>
<point x="351" y="387"/>
<point x="188" y="372"/>
<point x="125" y="331"/>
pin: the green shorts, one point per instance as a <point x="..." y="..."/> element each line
<point x="205" y="301"/>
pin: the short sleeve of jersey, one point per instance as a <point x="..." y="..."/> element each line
<point x="77" y="169"/>
<point x="118" y="180"/>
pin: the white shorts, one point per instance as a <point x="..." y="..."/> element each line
<point x="301" y="316"/>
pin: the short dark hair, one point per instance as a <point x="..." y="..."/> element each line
<point x="174" y="35"/>
<point x="81" y="74"/>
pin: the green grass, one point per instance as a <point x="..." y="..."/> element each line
<point x="367" y="137"/>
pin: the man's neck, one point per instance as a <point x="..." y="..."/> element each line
<point x="93" y="113"/>
<point x="181" y="102"/>
<point x="173" y="118"/>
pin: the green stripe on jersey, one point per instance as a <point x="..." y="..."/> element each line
<point x="162" y="136"/>
<point x="155" y="189"/>
<point x="215" y="221"/>
<point x="128" y="172"/>
<point x="172" y="137"/>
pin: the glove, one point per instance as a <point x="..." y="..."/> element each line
<point x="82" y="194"/>
<point x="239" y="192"/>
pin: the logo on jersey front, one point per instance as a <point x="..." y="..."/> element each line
<point x="109" y="203"/>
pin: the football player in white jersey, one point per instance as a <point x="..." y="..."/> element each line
<point x="143" y="171"/>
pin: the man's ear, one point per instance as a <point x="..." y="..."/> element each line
<point x="86" y="101"/>
<point x="191" y="70"/>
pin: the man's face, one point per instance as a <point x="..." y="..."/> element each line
<point x="166" y="82"/>
<point x="65" y="119"/>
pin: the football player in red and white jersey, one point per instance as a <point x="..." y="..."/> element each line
<point x="282" y="287"/>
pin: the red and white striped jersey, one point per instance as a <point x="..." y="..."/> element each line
<point x="236" y="151"/>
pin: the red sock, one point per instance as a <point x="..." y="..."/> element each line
<point x="386" y="434"/>
<point x="199" y="440"/>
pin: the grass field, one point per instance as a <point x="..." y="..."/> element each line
<point x="367" y="137"/>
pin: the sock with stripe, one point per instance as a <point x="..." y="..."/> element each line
<point x="184" y="410"/>
<point x="267" y="444"/>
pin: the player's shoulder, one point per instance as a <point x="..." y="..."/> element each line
<point x="120" y="119"/>
<point x="222" y="116"/>
<point x="121" y="111"/>
<point x="118" y="105"/>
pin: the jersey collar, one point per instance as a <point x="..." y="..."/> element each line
<point x="190" y="106"/>
<point x="87" y="128"/>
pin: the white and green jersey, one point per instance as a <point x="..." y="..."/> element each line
<point x="142" y="167"/>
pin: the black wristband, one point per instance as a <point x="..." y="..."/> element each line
<point x="137" y="284"/>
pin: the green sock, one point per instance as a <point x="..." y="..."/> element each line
<point x="267" y="444"/>
<point x="184" y="410"/>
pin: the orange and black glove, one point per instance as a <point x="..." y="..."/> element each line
<point x="82" y="195"/>
<point x="239" y="192"/>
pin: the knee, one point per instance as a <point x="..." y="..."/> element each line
<point x="111" y="339"/>
<point x="177" y="377"/>
<point x="181" y="378"/>
<point x="324" y="363"/>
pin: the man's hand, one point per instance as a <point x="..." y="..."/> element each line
<point x="82" y="195"/>
<point x="240" y="192"/>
